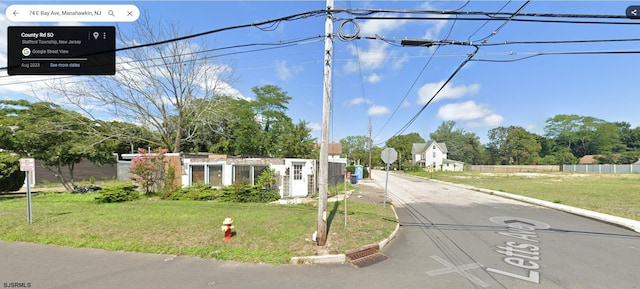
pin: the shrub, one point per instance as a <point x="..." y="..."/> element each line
<point x="239" y="193"/>
<point x="198" y="192"/>
<point x="147" y="169"/>
<point x="118" y="193"/>
<point x="11" y="178"/>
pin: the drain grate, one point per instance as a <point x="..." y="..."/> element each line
<point x="365" y="256"/>
<point x="369" y="260"/>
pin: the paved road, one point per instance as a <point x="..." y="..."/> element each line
<point x="448" y="238"/>
<point x="473" y="240"/>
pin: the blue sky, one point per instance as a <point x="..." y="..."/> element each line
<point x="382" y="81"/>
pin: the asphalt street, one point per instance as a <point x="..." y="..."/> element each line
<point x="448" y="237"/>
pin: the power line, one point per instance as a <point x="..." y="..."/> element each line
<point x="471" y="55"/>
<point x="283" y="44"/>
<point x="504" y="15"/>
<point x="619" y="52"/>
<point x="500" y="19"/>
<point x="421" y="72"/>
<point x="296" y="16"/>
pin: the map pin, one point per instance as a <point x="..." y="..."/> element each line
<point x="95" y="35"/>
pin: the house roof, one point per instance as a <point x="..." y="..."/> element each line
<point x="418" y="148"/>
<point x="335" y="148"/>
<point x="587" y="159"/>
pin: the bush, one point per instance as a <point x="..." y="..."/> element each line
<point x="198" y="192"/>
<point x="117" y="194"/>
<point x="11" y="178"/>
<point x="239" y="193"/>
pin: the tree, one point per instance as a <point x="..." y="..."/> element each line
<point x="295" y="141"/>
<point x="11" y="178"/>
<point x="270" y="108"/>
<point x="58" y="137"/>
<point x="513" y="146"/>
<point x="461" y="145"/>
<point x="155" y="86"/>
<point x="355" y="148"/>
<point x="147" y="169"/>
<point x="584" y="135"/>
<point x="403" y="144"/>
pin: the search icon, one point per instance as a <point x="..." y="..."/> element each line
<point x="110" y="12"/>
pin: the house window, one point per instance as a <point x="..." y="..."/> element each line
<point x="297" y="172"/>
<point x="257" y="171"/>
<point x="434" y="154"/>
<point x="206" y="174"/>
<point x="215" y="175"/>
<point x="197" y="174"/>
<point x="434" y="147"/>
<point x="242" y="174"/>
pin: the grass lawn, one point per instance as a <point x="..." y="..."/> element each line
<point x="614" y="194"/>
<point x="264" y="232"/>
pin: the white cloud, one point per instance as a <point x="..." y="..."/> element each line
<point x="406" y="103"/>
<point x="478" y="115"/>
<point x="314" y="126"/>
<point x="378" y="27"/>
<point x="359" y="100"/>
<point x="449" y="91"/>
<point x="489" y="121"/>
<point x="435" y="26"/>
<point x="369" y="59"/>
<point x="374" y="78"/>
<point x="378" y="110"/>
<point x="285" y="71"/>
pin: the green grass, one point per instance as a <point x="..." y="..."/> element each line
<point x="614" y="194"/>
<point x="264" y="232"/>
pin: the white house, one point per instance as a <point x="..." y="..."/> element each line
<point x="294" y="177"/>
<point x="435" y="155"/>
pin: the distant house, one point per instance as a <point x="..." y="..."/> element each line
<point x="335" y="151"/>
<point x="435" y="155"/>
<point x="588" y="160"/>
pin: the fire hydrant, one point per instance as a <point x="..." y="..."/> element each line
<point x="227" y="228"/>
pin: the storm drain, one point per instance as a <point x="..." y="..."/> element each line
<point x="365" y="256"/>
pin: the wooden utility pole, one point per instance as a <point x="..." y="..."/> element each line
<point x="323" y="171"/>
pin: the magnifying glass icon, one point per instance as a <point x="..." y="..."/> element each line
<point x="110" y="12"/>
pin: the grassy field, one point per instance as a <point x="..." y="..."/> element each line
<point x="264" y="232"/>
<point x="614" y="194"/>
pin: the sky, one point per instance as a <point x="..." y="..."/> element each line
<point x="377" y="80"/>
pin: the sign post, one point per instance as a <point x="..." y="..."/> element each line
<point x="389" y="156"/>
<point x="28" y="165"/>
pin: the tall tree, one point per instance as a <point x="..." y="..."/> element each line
<point x="58" y="137"/>
<point x="355" y="148"/>
<point x="462" y="146"/>
<point x="584" y="135"/>
<point x="155" y="86"/>
<point x="513" y="145"/>
<point x="270" y="107"/>
<point x="403" y="144"/>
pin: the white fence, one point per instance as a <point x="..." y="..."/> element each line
<point x="602" y="169"/>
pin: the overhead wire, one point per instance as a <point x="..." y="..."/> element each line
<point x="471" y="55"/>
<point x="404" y="98"/>
<point x="284" y="44"/>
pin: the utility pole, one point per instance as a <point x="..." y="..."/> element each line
<point x="321" y="237"/>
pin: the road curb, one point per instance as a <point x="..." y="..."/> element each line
<point x="615" y="220"/>
<point x="341" y="258"/>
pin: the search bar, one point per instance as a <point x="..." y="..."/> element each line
<point x="72" y="13"/>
